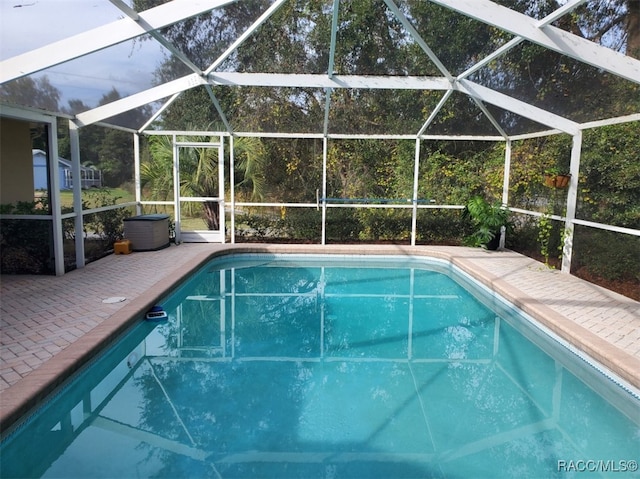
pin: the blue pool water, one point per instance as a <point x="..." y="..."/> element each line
<point x="308" y="367"/>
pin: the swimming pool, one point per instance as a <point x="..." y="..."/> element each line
<point x="291" y="366"/>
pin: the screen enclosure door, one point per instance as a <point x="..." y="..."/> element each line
<point x="199" y="191"/>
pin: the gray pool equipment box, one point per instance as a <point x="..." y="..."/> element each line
<point x="147" y="232"/>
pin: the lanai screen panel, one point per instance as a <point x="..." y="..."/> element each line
<point x="370" y="40"/>
<point x="292" y="175"/>
<point x="457" y="41"/>
<point x="611" y="24"/>
<point x="273" y="110"/>
<point x="294" y="39"/>
<point x="512" y="123"/>
<point x="387" y="38"/>
<point x="206" y="40"/>
<point x="80" y="84"/>
<point x="380" y="111"/>
<point x="460" y="115"/>
<point x="560" y="84"/>
<point x="27" y="26"/>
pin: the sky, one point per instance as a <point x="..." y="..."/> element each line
<point x="29" y="24"/>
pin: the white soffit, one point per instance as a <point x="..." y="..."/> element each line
<point x="103" y="37"/>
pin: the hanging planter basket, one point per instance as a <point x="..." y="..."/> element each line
<point x="556" y="181"/>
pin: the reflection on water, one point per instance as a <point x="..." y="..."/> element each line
<point x="281" y="370"/>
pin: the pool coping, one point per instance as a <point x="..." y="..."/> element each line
<point x="21" y="398"/>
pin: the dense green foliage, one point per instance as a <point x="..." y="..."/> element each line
<point x="21" y="241"/>
<point x="488" y="219"/>
<point x="107" y="226"/>
<point x="610" y="176"/>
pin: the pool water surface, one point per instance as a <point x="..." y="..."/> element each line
<point x="275" y="366"/>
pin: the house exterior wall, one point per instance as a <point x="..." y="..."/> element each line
<point x="40" y="176"/>
<point x="16" y="162"/>
<point x="40" y="180"/>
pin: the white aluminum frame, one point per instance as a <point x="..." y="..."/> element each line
<point x="56" y="215"/>
<point x="198" y="236"/>
<point x="135" y="24"/>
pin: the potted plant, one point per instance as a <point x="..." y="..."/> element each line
<point x="545" y="232"/>
<point x="488" y="220"/>
<point x="545" y="227"/>
<point x="553" y="178"/>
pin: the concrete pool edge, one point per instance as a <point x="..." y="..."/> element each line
<point x="21" y="398"/>
<point x="24" y="396"/>
<point x="613" y="358"/>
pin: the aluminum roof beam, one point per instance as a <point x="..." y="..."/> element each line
<point x="547" y="36"/>
<point x="418" y="39"/>
<point x="104" y="36"/>
<point x="273" y="80"/>
<point x="519" y="107"/>
<point x="135" y="16"/>
<point x="139" y="99"/>
<point x="302" y="80"/>
<point x="514" y="42"/>
<point x="233" y="47"/>
<point x="277" y="80"/>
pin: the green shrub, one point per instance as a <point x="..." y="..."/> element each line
<point x="384" y="224"/>
<point x="108" y="225"/>
<point x="608" y="255"/>
<point x="442" y="227"/>
<point x="488" y="219"/>
<point x="258" y="226"/>
<point x="302" y="224"/>
<point x="343" y="225"/>
<point x="25" y="245"/>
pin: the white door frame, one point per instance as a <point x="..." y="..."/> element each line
<point x="198" y="236"/>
